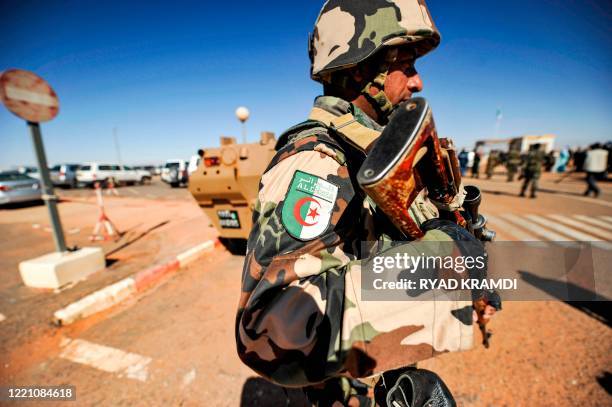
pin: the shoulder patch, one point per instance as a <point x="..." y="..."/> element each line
<point x="308" y="206"/>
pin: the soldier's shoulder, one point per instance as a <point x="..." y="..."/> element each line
<point x="310" y="135"/>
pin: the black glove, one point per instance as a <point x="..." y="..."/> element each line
<point x="412" y="387"/>
<point x="469" y="246"/>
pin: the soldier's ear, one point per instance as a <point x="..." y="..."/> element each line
<point x="357" y="74"/>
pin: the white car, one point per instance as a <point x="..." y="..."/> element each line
<point x="142" y="176"/>
<point x="175" y="173"/>
<point x="89" y="173"/>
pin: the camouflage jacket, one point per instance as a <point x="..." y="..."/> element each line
<point x="533" y="163"/>
<point x="300" y="318"/>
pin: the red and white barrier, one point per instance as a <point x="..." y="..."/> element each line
<point x="119" y="291"/>
<point x="104" y="228"/>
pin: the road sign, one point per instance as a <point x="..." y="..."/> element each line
<point x="28" y="96"/>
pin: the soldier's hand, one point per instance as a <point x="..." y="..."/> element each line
<point x="486" y="306"/>
<point x="487" y="314"/>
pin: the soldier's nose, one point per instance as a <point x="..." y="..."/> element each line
<point x="414" y="83"/>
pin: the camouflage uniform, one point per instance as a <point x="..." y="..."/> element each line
<point x="301" y="319"/>
<point x="492" y="161"/>
<point x="532" y="170"/>
<point x="514" y="160"/>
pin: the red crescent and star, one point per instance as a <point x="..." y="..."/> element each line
<point x="312" y="213"/>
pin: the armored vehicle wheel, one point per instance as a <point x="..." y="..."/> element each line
<point x="234" y="246"/>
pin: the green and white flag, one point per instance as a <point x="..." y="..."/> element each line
<point x="308" y="206"/>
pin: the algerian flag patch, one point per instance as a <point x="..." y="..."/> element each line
<point x="308" y="205"/>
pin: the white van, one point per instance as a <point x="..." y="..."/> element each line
<point x="89" y="173"/>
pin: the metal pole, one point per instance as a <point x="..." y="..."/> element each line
<point x="48" y="196"/>
<point x="244" y="136"/>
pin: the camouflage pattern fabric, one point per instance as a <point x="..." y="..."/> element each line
<point x="348" y="32"/>
<point x="514" y="160"/>
<point x="492" y="161"/>
<point x="533" y="163"/>
<point x="301" y="319"/>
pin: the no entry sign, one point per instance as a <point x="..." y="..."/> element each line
<point x="28" y="96"/>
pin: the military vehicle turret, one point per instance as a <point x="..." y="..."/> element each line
<point x="226" y="184"/>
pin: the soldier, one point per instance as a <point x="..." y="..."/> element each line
<point x="532" y="169"/>
<point x="301" y="321"/>
<point x="476" y="164"/>
<point x="514" y="160"/>
<point x="492" y="161"/>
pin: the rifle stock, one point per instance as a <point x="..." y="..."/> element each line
<point x="409" y="157"/>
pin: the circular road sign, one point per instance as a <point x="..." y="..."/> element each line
<point x="28" y="96"/>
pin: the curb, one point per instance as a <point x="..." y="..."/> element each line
<point x="117" y="292"/>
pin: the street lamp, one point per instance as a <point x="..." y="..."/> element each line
<point x="242" y="113"/>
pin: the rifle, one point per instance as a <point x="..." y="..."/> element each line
<point x="409" y="157"/>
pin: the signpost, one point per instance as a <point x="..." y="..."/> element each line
<point x="29" y="97"/>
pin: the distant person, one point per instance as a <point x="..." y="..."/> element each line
<point x="549" y="161"/>
<point x="595" y="164"/>
<point x="492" y="162"/>
<point x="579" y="157"/>
<point x="476" y="164"/>
<point x="532" y="170"/>
<point x="513" y="163"/>
<point x="463" y="161"/>
<point x="562" y="160"/>
<point x="608" y="148"/>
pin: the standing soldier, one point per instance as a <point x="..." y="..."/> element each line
<point x="492" y="161"/>
<point x="514" y="160"/>
<point x="476" y="164"/>
<point x="532" y="169"/>
<point x="301" y="321"/>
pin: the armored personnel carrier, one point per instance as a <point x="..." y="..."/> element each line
<point x="226" y="184"/>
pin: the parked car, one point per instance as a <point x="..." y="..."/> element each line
<point x="175" y="173"/>
<point x="153" y="170"/>
<point x="89" y="173"/>
<point x="16" y="187"/>
<point x="194" y="163"/>
<point x="132" y="175"/>
<point x="29" y="171"/>
<point x="64" y="175"/>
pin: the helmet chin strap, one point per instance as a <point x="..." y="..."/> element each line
<point x="380" y="102"/>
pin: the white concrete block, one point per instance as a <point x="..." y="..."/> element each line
<point x="55" y="270"/>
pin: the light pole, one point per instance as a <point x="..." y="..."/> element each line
<point x="242" y="113"/>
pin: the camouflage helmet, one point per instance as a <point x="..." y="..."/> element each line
<point x="348" y="32"/>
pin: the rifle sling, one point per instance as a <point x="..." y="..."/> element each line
<point x="347" y="126"/>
